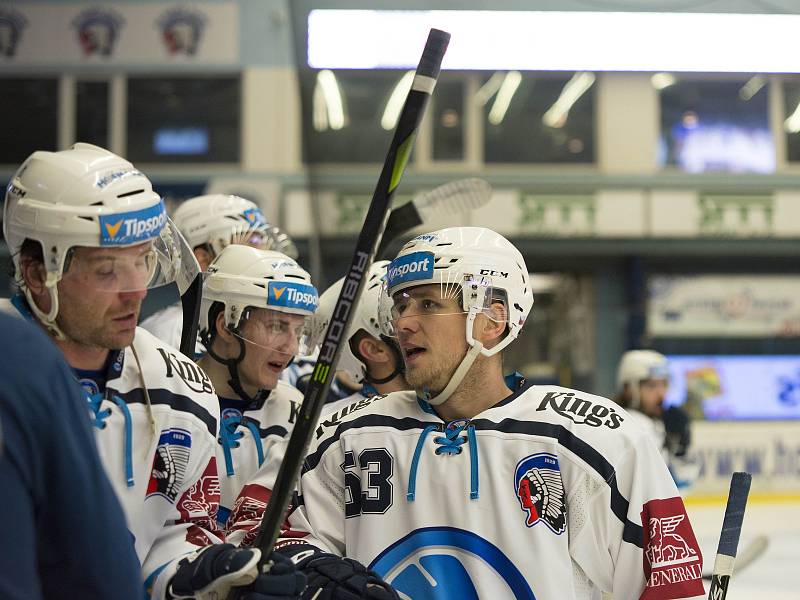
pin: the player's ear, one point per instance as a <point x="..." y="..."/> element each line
<point x="373" y="350"/>
<point x="33" y="274"/>
<point x="493" y="324"/>
<point x="203" y="256"/>
<point x="222" y="329"/>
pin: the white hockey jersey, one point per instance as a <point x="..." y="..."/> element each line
<point x="167" y="325"/>
<point x="254" y="441"/>
<point x="551" y="494"/>
<point x="171" y="499"/>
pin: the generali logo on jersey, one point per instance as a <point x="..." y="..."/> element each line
<point x="673" y="564"/>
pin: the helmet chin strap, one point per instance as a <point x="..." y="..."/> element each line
<point x="233" y="371"/>
<point x="457" y="377"/>
<point x="48" y="319"/>
<point x="399" y="368"/>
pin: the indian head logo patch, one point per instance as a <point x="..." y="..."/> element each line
<point x="540" y="491"/>
<point x="169" y="464"/>
<point x="673" y="564"/>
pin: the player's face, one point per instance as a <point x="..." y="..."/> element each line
<point x="430" y="330"/>
<point x="271" y="340"/>
<point x="651" y="396"/>
<point x="100" y="295"/>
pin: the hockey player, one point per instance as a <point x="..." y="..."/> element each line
<point x="642" y="384"/>
<point x="253" y="321"/>
<point x="369" y="360"/>
<point x="210" y="223"/>
<point x="88" y="236"/>
<point x="471" y="487"/>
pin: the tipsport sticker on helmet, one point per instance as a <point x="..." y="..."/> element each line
<point x="136" y="226"/>
<point x="299" y="296"/>
<point x="254" y="216"/>
<point x="411" y="267"/>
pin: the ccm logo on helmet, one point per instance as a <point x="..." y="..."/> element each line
<point x="411" y="267"/>
<point x="494" y="273"/>
<point x="131" y="227"/>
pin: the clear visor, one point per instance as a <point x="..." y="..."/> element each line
<point x="280" y="332"/>
<point x="421" y="303"/>
<point x="159" y="261"/>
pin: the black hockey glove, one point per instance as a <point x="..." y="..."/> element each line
<point x="211" y="572"/>
<point x="678" y="428"/>
<point x="332" y="577"/>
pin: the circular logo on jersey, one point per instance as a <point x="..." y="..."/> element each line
<point x="230" y="413"/>
<point x="440" y="563"/>
<point x="89" y="385"/>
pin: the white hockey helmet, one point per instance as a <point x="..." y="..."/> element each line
<point x="482" y="264"/>
<point x="242" y="277"/>
<point x="218" y="220"/>
<point x="637" y="366"/>
<point x="477" y="262"/>
<point x="88" y="196"/>
<point x="365" y="317"/>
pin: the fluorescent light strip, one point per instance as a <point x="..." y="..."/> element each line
<point x="556" y="115"/>
<point x="557" y="41"/>
<point x="333" y="98"/>
<point x="504" y="95"/>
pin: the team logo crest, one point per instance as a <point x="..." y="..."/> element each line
<point x="170" y="464"/>
<point x="540" y="491"/>
<point x="12" y="23"/>
<point x="182" y="30"/>
<point x="98" y="31"/>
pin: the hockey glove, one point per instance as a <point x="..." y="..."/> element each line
<point x="332" y="577"/>
<point x="678" y="428"/>
<point x="214" y="570"/>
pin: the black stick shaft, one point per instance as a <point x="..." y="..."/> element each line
<point x="190" y="300"/>
<point x="368" y="240"/>
<point x="729" y="538"/>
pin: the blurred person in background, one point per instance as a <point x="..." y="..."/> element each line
<point x="642" y="385"/>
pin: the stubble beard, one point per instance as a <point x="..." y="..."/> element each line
<point x="81" y="329"/>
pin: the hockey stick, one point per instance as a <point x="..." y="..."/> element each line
<point x="748" y="556"/>
<point x="729" y="537"/>
<point x="448" y="199"/>
<point x="190" y="302"/>
<point x="368" y="240"/>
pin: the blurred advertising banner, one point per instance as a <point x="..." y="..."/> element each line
<point x="769" y="451"/>
<point x="119" y="33"/>
<point x="723" y="306"/>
